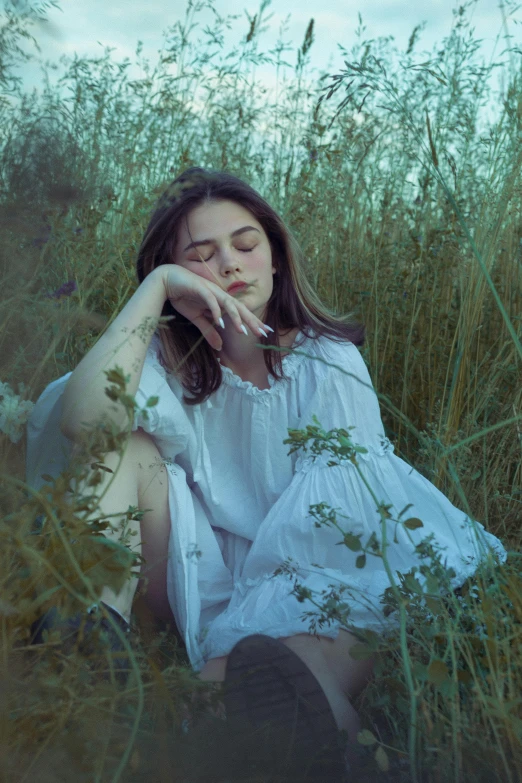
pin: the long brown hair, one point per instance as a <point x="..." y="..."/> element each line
<point x="293" y="302"/>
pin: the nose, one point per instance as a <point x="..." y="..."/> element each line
<point x="230" y="262"/>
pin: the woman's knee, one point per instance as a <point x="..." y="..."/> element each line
<point x="214" y="670"/>
<point x="353" y="675"/>
<point x="135" y="477"/>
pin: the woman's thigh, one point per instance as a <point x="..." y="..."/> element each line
<point x="153" y="499"/>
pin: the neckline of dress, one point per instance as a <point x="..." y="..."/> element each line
<point x="290" y="362"/>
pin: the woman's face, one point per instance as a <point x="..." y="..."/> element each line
<point x="235" y="248"/>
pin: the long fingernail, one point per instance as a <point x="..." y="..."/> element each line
<point x="221" y="323"/>
<point x="243" y="327"/>
<point x="263" y="332"/>
<point x="268" y="327"/>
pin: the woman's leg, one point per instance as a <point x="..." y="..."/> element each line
<point x="352" y="675"/>
<point x="331" y="671"/>
<point x="140" y="480"/>
<point x="214" y="669"/>
<point x="340" y="677"/>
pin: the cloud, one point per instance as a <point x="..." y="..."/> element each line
<point x="119" y="24"/>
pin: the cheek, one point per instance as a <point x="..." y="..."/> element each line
<point x="261" y="263"/>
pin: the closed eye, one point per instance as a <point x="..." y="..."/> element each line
<point x="241" y="250"/>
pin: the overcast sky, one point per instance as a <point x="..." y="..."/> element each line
<point x="88" y="26"/>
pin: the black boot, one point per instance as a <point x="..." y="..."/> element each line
<point x="278" y="715"/>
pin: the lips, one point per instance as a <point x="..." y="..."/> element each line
<point x="236" y="287"/>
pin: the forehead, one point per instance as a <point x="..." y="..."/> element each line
<point x="215" y="220"/>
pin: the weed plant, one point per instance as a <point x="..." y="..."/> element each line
<point x="401" y="178"/>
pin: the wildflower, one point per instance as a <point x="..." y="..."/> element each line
<point x="65" y="290"/>
<point x="14" y="413"/>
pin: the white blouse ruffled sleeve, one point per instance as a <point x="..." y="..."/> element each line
<point x="347" y="399"/>
<point x="342" y="397"/>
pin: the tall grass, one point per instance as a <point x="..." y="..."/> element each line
<point x="407" y="201"/>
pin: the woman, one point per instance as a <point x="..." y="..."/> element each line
<point x="224" y="495"/>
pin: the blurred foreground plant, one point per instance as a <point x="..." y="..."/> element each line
<point x="58" y="550"/>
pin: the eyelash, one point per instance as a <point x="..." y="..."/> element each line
<point x="241" y="250"/>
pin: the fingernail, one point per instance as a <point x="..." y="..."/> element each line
<point x="221" y="323"/>
<point x="263" y="332"/>
<point x="268" y="327"/>
<point x="243" y="327"/>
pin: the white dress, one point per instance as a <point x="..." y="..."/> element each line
<point x="240" y="504"/>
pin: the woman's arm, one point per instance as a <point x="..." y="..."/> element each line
<point x="126" y="340"/>
<point x="124" y="344"/>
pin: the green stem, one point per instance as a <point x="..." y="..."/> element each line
<point x="412" y="730"/>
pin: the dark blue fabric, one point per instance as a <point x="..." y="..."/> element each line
<point x="91" y="634"/>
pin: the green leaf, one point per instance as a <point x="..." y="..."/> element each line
<point x="432" y="584"/>
<point x="361" y="561"/>
<point x="345" y="442"/>
<point x="405" y="509"/>
<point x="433" y="604"/>
<point x="100" y="466"/>
<point x="447" y="689"/>
<point x="360" y="652"/>
<point x="439" y="78"/>
<point x="413" y="584"/>
<point x="412" y="523"/>
<point x="464" y="676"/>
<point x="117" y="377"/>
<point x="352" y="542"/>
<point x="437" y="672"/>
<point x="382" y="760"/>
<point x="128" y="401"/>
<point x="152" y="401"/>
<point x="365" y="737"/>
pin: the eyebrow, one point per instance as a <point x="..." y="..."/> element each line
<point x="233" y="234"/>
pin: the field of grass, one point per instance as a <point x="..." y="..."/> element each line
<point x="400" y="177"/>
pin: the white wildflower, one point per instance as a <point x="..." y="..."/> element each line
<point x="14" y="413"/>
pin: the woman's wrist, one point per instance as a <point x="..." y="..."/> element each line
<point x="157" y="279"/>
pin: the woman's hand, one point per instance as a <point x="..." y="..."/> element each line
<point x="203" y="302"/>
